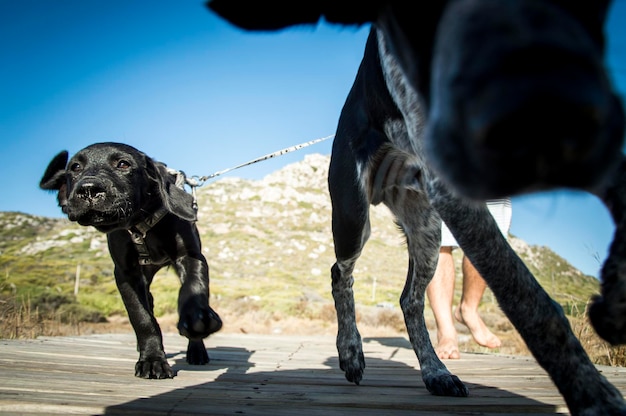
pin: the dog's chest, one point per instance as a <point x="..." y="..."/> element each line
<point x="147" y="254"/>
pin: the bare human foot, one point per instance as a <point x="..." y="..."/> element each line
<point x="481" y="334"/>
<point x="448" y="348"/>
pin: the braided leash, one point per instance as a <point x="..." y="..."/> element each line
<point x="198" y="181"/>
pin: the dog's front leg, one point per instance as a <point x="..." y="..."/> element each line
<point x="134" y="289"/>
<point x="608" y="311"/>
<point x="197" y="319"/>
<point x="538" y="318"/>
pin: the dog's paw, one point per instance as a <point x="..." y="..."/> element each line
<point x="158" y="369"/>
<point x="198" y="323"/>
<point x="352" y="363"/>
<point x="446" y="385"/>
<point x="196" y="353"/>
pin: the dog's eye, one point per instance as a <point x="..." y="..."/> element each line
<point x="122" y="164"/>
<point x="76" y="167"/>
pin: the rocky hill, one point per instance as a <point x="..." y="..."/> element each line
<point x="270" y="249"/>
<point x="280" y="226"/>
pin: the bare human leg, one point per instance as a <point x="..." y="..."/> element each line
<point x="467" y="313"/>
<point x="440" y="294"/>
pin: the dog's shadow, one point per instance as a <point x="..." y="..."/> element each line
<point x="229" y="358"/>
<point x="388" y="386"/>
<point x="395" y="342"/>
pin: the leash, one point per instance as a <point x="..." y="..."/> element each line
<point x="198" y="181"/>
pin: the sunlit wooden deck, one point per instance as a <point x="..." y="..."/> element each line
<point x="260" y="375"/>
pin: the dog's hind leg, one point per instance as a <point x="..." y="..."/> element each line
<point x="422" y="228"/>
<point x="351" y="229"/>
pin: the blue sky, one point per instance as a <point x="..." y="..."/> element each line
<point x="188" y="89"/>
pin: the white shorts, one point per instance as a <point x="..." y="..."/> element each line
<point x="501" y="211"/>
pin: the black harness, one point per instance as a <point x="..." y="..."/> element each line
<point x="138" y="232"/>
<point x="138" y="235"/>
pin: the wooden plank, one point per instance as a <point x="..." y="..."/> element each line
<point x="260" y="375"/>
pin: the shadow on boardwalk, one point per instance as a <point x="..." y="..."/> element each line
<point x="304" y="379"/>
<point x="261" y="375"/>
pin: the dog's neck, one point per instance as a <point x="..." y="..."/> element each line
<point x="138" y="234"/>
<point x="147" y="223"/>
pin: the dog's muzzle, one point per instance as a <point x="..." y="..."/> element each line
<point x="521" y="102"/>
<point x="93" y="201"/>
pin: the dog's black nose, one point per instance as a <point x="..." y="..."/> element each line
<point x="521" y="102"/>
<point x="91" y="191"/>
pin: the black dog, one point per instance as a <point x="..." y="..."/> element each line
<point x="373" y="144"/>
<point x="378" y="156"/>
<point x="150" y="223"/>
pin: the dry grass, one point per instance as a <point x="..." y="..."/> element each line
<point x="22" y="320"/>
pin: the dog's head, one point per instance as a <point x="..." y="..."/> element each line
<point x="516" y="92"/>
<point x="113" y="185"/>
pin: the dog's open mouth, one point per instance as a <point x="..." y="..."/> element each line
<point x="97" y="217"/>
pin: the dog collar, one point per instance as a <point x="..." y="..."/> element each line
<point x="138" y="234"/>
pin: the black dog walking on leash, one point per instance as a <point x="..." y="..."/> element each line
<point x="150" y="223"/>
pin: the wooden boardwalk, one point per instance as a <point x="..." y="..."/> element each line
<point x="261" y="375"/>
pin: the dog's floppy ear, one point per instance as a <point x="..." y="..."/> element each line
<point x="55" y="173"/>
<point x="175" y="199"/>
<point x="54" y="178"/>
<point x="275" y="14"/>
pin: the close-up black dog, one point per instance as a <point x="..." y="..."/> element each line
<point x="149" y="221"/>
<point x="372" y="144"/>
